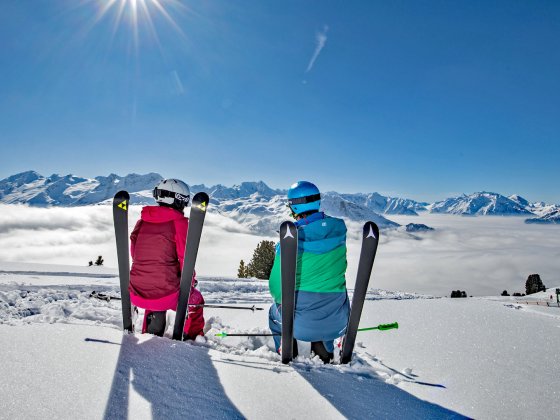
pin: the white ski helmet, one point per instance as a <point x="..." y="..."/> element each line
<point x="172" y="193"/>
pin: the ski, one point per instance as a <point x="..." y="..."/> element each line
<point x="196" y="221"/>
<point x="121" y="202"/>
<point x="370" y="240"/>
<point x="288" y="268"/>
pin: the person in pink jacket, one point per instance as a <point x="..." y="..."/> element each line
<point x="158" y="249"/>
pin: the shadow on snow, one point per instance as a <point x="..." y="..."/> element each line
<point x="178" y="380"/>
<point x="357" y="395"/>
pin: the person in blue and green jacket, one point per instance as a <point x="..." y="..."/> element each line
<point x="322" y="307"/>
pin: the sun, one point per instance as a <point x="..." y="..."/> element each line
<point x="138" y="15"/>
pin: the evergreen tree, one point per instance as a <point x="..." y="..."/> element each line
<point x="534" y="284"/>
<point x="261" y="263"/>
<point x="458" y="294"/>
<point x="242" y="270"/>
<point x="90" y="263"/>
<point x="99" y="260"/>
<point x="505" y="293"/>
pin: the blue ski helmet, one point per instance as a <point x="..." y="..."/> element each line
<point x="304" y="196"/>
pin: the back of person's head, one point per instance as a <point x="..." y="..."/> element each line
<point x="172" y="193"/>
<point x="304" y="198"/>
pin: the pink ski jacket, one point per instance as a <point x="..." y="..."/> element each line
<point x="157" y="248"/>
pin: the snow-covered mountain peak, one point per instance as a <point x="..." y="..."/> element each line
<point x="520" y="200"/>
<point x="253" y="204"/>
<point x="480" y="203"/>
<point x="245" y="189"/>
<point x="20" y="179"/>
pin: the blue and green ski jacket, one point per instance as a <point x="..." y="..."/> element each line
<point x="322" y="307"/>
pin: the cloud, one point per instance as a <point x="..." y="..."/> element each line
<point x="321" y="40"/>
<point x="177" y="84"/>
<point x="481" y="255"/>
<point x="76" y="235"/>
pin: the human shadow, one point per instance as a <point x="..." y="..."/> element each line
<point x="177" y="379"/>
<point x="362" y="395"/>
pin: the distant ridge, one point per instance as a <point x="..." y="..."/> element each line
<point x="255" y="204"/>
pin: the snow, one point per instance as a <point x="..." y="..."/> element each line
<point x="482" y="203"/>
<point x="547" y="215"/>
<point x="64" y="356"/>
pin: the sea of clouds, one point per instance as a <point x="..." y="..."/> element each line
<point x="482" y="255"/>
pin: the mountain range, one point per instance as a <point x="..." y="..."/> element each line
<point x="255" y="204"/>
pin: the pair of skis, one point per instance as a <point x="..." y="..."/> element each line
<point x="196" y="222"/>
<point x="288" y="265"/>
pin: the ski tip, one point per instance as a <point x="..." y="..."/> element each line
<point x="371" y="230"/>
<point x="201" y="197"/>
<point x="121" y="201"/>
<point x="222" y="334"/>
<point x="122" y="194"/>
<point x="288" y="230"/>
<point x="200" y="201"/>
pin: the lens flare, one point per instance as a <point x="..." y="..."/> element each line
<point x="138" y="16"/>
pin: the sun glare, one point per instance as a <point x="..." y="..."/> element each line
<point x="138" y="16"/>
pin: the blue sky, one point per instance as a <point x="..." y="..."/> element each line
<point x="423" y="99"/>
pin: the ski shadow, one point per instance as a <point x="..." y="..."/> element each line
<point x="178" y="380"/>
<point x="362" y="395"/>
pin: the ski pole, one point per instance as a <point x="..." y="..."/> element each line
<point x="103" y="296"/>
<point x="381" y="327"/>
<point x="250" y="308"/>
<point x="225" y="334"/>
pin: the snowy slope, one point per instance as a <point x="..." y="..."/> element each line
<point x="253" y="204"/>
<point x="65" y="357"/>
<point x="34" y="189"/>
<point x="37" y="190"/>
<point x="480" y="203"/>
<point x="386" y="205"/>
<point x="548" y="215"/>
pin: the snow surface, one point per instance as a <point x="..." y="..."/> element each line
<point x="64" y="356"/>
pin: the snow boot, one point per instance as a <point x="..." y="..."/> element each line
<point x="318" y="349"/>
<point x="155" y="322"/>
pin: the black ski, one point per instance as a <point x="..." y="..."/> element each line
<point x="196" y="221"/>
<point x="370" y="240"/>
<point x="120" y="219"/>
<point x="288" y="266"/>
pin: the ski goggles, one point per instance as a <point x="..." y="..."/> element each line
<point x="304" y="200"/>
<point x="170" y="194"/>
<point x="301" y="200"/>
